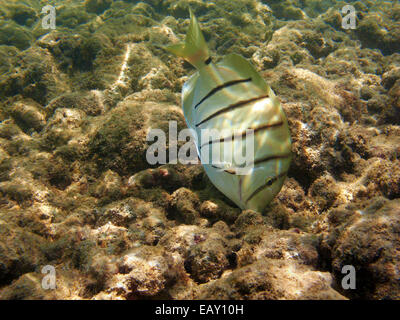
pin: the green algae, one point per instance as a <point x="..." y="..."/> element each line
<point x="97" y="6"/>
<point x="22" y="14"/>
<point x="12" y="34"/>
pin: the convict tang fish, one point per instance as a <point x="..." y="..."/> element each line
<point x="231" y="99"/>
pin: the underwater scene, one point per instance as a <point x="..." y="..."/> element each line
<point x="191" y="150"/>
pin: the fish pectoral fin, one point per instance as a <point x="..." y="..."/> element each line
<point x="245" y="69"/>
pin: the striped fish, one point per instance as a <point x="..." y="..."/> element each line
<point x="232" y="97"/>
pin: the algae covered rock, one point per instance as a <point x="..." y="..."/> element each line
<point x="29" y="115"/>
<point x="97" y="6"/>
<point x="184" y="204"/>
<point x="366" y="239"/>
<point x="22" y="14"/>
<point x="19" y="252"/>
<point x="206" y="253"/>
<point x="143" y="272"/>
<point x="266" y="279"/>
<point x="108" y="187"/>
<point x="211" y="254"/>
<point x="78" y="192"/>
<point x="91" y="102"/>
<point x="377" y="33"/>
<point x="14" y="35"/>
<point x="120" y="143"/>
<point x="34" y="76"/>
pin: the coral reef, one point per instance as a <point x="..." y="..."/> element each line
<point x="77" y="192"/>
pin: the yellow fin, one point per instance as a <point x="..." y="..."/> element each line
<point x="245" y="69"/>
<point x="194" y="49"/>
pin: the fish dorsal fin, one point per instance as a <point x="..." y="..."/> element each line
<point x="244" y="68"/>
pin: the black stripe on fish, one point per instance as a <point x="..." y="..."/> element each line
<point x="221" y="87"/>
<point x="230" y="171"/>
<point x="269" y="183"/>
<point x="274" y="157"/>
<point x="243" y="134"/>
<point x="232" y="107"/>
<point x="208" y="61"/>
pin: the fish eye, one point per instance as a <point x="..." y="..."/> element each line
<point x="269" y="181"/>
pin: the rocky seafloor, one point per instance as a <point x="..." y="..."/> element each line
<point x="77" y="193"/>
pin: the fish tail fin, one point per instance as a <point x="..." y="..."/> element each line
<point x="194" y="49"/>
